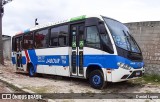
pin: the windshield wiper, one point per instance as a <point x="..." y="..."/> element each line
<point x="135" y="43"/>
<point x="127" y="40"/>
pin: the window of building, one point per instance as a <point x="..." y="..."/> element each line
<point x="41" y="38"/>
<point x="92" y="35"/>
<point x="28" y="41"/>
<point x="59" y="36"/>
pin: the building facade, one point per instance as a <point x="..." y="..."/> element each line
<point x="6" y="47"/>
<point x="147" y="34"/>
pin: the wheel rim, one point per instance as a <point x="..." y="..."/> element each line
<point x="96" y="79"/>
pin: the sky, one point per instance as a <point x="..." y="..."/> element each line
<point x="19" y="15"/>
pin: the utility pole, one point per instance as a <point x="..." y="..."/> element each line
<point x="1" y="42"/>
<point x="2" y="3"/>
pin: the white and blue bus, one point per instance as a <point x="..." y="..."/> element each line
<point x="97" y="48"/>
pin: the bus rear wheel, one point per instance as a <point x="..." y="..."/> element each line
<point x="96" y="79"/>
<point x="32" y="71"/>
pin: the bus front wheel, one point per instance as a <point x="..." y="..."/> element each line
<point x="32" y="71"/>
<point x="96" y="79"/>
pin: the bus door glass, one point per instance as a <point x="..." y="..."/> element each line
<point x="18" y="48"/>
<point x="77" y="32"/>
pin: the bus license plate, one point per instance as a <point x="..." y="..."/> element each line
<point x="138" y="73"/>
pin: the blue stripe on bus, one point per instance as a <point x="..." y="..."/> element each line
<point x="104" y="61"/>
<point x="58" y="60"/>
<point x="32" y="56"/>
<point x="109" y="61"/>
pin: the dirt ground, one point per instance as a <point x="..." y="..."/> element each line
<point x="57" y="84"/>
<point x="5" y="89"/>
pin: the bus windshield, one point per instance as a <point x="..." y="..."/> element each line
<point x="121" y="35"/>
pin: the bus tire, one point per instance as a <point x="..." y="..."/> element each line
<point x="32" y="71"/>
<point x="96" y="79"/>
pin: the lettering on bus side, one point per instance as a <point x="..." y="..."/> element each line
<point x="52" y="60"/>
<point x="41" y="59"/>
<point x="64" y="58"/>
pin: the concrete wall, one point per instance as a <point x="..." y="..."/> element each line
<point x="6" y="47"/>
<point x="147" y="34"/>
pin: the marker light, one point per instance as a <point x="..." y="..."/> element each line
<point x="78" y="18"/>
<point x="27" y="30"/>
<point x="19" y="33"/>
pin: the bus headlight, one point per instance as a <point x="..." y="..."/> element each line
<point x="120" y="64"/>
<point x="130" y="67"/>
<point x="124" y="66"/>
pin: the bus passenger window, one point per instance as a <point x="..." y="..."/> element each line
<point x="28" y="41"/>
<point x="59" y="36"/>
<point x="54" y="37"/>
<point x="41" y="39"/>
<point x="92" y="39"/>
<point x="17" y="44"/>
<point x="63" y="35"/>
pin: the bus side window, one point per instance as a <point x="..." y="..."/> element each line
<point x="41" y="39"/>
<point x="54" y="36"/>
<point x="17" y="44"/>
<point x="28" y="41"/>
<point x="92" y="37"/>
<point x="21" y="43"/>
<point x="59" y="36"/>
<point x="63" y="35"/>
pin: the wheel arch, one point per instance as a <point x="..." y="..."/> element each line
<point x="30" y="64"/>
<point x="93" y="67"/>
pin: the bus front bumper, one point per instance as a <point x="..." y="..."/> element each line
<point x="121" y="74"/>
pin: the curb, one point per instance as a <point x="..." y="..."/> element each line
<point x="21" y="89"/>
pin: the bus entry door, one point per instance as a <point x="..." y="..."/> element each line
<point x="77" y="33"/>
<point x="18" y="52"/>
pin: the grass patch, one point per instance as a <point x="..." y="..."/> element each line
<point x="153" y="78"/>
<point x="38" y="89"/>
<point x="148" y="78"/>
<point x="146" y="101"/>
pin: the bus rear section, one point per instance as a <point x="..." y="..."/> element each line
<point x="99" y="48"/>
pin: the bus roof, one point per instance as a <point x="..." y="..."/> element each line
<point x="59" y="22"/>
